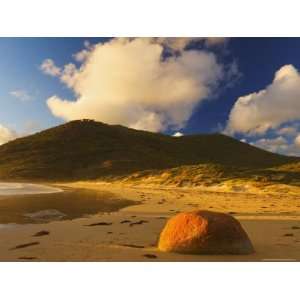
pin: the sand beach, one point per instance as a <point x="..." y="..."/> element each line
<point x="127" y="227"/>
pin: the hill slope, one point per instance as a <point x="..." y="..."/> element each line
<point x="87" y="149"/>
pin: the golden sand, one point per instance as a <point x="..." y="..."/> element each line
<point x="131" y="234"/>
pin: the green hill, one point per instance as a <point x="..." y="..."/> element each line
<point x="89" y="150"/>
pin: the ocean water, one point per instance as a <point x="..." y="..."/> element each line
<point x="22" y="203"/>
<point x="12" y="188"/>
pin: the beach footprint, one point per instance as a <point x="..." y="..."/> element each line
<point x="138" y="223"/>
<point x="27" y="257"/>
<point x="25" y="245"/>
<point x="99" y="224"/>
<point x="295" y="227"/>
<point x="132" y="246"/>
<point x="288" y="234"/>
<point x="151" y="256"/>
<point x="125" y="221"/>
<point x="41" y="233"/>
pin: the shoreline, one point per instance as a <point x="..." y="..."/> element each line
<point x="22" y="188"/>
<point x="68" y="204"/>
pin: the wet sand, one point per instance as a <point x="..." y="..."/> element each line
<point x="130" y="234"/>
<point x="67" y="204"/>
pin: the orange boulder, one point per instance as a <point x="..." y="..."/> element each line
<point x="204" y="232"/>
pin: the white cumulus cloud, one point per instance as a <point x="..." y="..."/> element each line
<point x="278" y="144"/>
<point x="48" y="67"/>
<point x="178" y="134"/>
<point x="22" y="95"/>
<point x="6" y="135"/>
<point x="288" y="130"/>
<point x="215" y="41"/>
<point x="128" y="81"/>
<point x="179" y="44"/>
<point x="297" y="141"/>
<point x="269" y="108"/>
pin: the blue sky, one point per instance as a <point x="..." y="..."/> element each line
<point x="25" y="88"/>
<point x="19" y="70"/>
<point x="258" y="59"/>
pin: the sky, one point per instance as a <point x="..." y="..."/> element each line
<point x="247" y="88"/>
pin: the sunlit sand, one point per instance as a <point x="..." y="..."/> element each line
<point x="129" y="231"/>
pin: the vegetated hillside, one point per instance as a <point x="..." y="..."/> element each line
<point x="217" y="176"/>
<point x="87" y="149"/>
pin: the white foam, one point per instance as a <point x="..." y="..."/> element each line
<point x="14" y="188"/>
<point x="51" y="214"/>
